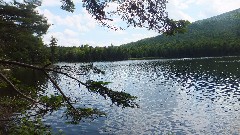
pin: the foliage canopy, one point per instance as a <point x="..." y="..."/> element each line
<point x="150" y="14"/>
<point x="21" y="30"/>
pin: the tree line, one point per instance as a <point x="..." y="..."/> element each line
<point x="86" y="53"/>
<point x="216" y="36"/>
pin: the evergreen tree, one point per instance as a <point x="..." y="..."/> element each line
<point x="53" y="44"/>
<point x="21" y="28"/>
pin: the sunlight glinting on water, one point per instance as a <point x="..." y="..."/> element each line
<point x="182" y="96"/>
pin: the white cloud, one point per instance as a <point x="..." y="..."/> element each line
<point x="51" y="3"/>
<point x="68" y="28"/>
<point x="199" y="9"/>
<point x="63" y="38"/>
<point x="51" y="17"/>
<point x="80" y="28"/>
<point x="225" y="5"/>
<point x="176" y="9"/>
<point x="70" y="33"/>
<point x="215" y="7"/>
<point x="220" y="5"/>
<point x="82" y="21"/>
<point x="180" y="4"/>
<point x="180" y="15"/>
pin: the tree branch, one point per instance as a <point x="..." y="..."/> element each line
<point x="121" y="98"/>
<point x="43" y="69"/>
<point x="59" y="89"/>
<point x="15" y="89"/>
<point x="7" y="62"/>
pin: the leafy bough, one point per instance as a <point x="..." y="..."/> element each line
<point x="119" y="98"/>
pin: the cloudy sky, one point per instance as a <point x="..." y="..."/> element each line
<point x="75" y="29"/>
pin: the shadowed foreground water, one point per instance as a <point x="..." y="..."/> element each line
<point x="180" y="96"/>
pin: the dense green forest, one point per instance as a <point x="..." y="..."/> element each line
<point x="86" y="53"/>
<point x="215" y="36"/>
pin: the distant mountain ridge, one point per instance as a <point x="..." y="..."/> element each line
<point x="216" y="36"/>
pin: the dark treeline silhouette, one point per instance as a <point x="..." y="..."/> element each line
<point x="86" y="53"/>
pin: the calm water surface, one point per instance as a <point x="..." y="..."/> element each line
<point x="176" y="96"/>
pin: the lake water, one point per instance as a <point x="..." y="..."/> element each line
<point x="176" y="96"/>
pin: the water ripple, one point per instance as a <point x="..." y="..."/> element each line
<point x="181" y="96"/>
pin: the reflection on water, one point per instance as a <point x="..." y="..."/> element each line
<point x="182" y="96"/>
<point x="25" y="77"/>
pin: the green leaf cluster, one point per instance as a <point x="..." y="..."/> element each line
<point x="53" y="101"/>
<point x="119" y="98"/>
<point x="29" y="127"/>
<point x="83" y="113"/>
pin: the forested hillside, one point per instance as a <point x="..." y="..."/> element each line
<point x="216" y="36"/>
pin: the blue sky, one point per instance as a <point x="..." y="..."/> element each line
<point x="75" y="29"/>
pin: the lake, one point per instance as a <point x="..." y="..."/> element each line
<point x="176" y="96"/>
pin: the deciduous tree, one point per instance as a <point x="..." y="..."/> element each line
<point x="150" y="14"/>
